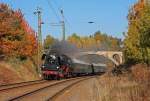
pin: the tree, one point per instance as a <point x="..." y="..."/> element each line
<point x="144" y="30"/>
<point x="138" y="36"/>
<point x="48" y="41"/>
<point x="75" y="39"/>
<point x="17" y="39"/>
<point x="98" y="41"/>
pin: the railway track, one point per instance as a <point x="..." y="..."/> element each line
<point x="9" y="86"/>
<point x="8" y="92"/>
<point x="54" y="97"/>
<point x="35" y="90"/>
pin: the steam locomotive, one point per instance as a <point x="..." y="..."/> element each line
<point x="58" y="66"/>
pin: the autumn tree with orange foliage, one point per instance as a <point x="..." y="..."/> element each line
<point x="98" y="41"/>
<point x="17" y="39"/>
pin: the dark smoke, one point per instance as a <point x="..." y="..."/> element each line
<point x="80" y="61"/>
<point x="64" y="47"/>
<point x="94" y="59"/>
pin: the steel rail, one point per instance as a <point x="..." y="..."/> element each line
<point x="52" y="98"/>
<point x="39" y="92"/>
<point x="21" y="84"/>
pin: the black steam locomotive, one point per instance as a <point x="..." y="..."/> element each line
<point x="56" y="66"/>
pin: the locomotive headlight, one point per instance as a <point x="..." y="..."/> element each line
<point x="53" y="57"/>
<point x="57" y="67"/>
<point x="43" y="66"/>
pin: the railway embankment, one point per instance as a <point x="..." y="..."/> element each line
<point x="13" y="72"/>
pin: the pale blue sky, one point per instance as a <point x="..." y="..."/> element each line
<point x="110" y="16"/>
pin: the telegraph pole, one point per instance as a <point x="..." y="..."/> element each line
<point x="63" y="25"/>
<point x="38" y="13"/>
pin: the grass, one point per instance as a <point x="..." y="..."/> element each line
<point x="131" y="87"/>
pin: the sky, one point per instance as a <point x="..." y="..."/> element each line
<point x="109" y="16"/>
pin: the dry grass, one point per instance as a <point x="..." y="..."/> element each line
<point x="141" y="73"/>
<point x="8" y="75"/>
<point x="14" y="71"/>
<point x="132" y="87"/>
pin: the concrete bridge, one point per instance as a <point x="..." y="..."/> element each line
<point x="115" y="56"/>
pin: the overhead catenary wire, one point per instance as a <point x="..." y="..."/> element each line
<point x="54" y="11"/>
<point x="56" y="8"/>
<point x="57" y="5"/>
<point x="59" y="8"/>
